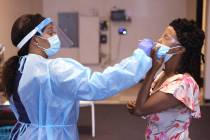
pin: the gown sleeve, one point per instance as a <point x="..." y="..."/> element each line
<point x="77" y="81"/>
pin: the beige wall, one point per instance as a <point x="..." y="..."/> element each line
<point x="191" y="9"/>
<point x="207" y="55"/>
<point x="9" y="11"/>
<point x="36" y="6"/>
<point x="149" y="17"/>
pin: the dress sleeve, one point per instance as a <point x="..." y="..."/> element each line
<point x="185" y="89"/>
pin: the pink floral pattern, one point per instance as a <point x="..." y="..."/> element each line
<point x="173" y="124"/>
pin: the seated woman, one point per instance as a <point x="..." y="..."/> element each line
<point x="170" y="101"/>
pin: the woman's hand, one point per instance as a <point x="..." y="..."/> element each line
<point x="131" y="105"/>
<point x="156" y="63"/>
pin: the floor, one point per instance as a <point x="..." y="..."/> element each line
<point x="113" y="122"/>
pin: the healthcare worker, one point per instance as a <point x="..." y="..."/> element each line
<point x="44" y="93"/>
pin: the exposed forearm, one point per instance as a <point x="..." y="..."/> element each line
<point x="144" y="93"/>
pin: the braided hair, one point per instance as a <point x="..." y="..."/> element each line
<point x="191" y="38"/>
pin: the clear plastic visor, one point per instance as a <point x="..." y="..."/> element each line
<point x="65" y="40"/>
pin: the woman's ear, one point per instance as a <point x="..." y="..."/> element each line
<point x="41" y="41"/>
<point x="38" y="39"/>
<point x="34" y="41"/>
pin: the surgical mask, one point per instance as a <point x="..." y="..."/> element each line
<point x="167" y="57"/>
<point x="163" y="50"/>
<point x="147" y="44"/>
<point x="55" y="45"/>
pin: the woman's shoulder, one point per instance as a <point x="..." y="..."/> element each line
<point x="183" y="79"/>
<point x="187" y="78"/>
<point x="184" y="88"/>
<point x="180" y="83"/>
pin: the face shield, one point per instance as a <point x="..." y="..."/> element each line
<point x="2" y="50"/>
<point x="65" y="40"/>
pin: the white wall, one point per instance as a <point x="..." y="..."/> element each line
<point x="149" y="17"/>
<point x="9" y="11"/>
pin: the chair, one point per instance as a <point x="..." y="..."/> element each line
<point x="91" y="104"/>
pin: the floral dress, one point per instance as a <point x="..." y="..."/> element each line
<point x="173" y="123"/>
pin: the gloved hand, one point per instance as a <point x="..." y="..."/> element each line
<point x="146" y="45"/>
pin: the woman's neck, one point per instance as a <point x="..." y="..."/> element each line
<point x="172" y="65"/>
<point x="169" y="72"/>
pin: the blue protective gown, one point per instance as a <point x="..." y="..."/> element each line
<point x="46" y="102"/>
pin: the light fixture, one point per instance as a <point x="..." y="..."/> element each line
<point x="122" y="31"/>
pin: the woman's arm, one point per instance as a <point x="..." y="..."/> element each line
<point x="146" y="104"/>
<point x="157" y="102"/>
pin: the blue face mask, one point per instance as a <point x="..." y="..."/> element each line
<point x="55" y="45"/>
<point x="147" y="44"/>
<point x="162" y="52"/>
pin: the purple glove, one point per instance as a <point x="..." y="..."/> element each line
<point x="146" y="45"/>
